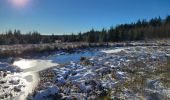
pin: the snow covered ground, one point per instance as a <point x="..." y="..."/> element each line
<point x="113" y="51"/>
<point x="117" y="73"/>
<point x="105" y="73"/>
<point x="21" y="80"/>
<point x="10" y="85"/>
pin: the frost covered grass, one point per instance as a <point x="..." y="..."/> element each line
<point x="106" y="73"/>
<point x="30" y="50"/>
<point x="132" y="73"/>
<point x="164" y="72"/>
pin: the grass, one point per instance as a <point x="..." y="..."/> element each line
<point x="163" y="72"/>
<point x="139" y="73"/>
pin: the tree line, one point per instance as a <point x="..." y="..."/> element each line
<point x="155" y="28"/>
<point x="16" y="37"/>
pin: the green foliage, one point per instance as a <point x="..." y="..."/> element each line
<point x="141" y="30"/>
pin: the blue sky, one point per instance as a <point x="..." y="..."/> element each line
<point x="67" y="16"/>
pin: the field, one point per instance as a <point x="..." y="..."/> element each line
<point x="133" y="70"/>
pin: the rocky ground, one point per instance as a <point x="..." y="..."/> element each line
<point x="132" y="73"/>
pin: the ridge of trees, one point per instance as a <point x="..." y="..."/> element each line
<point x="156" y="28"/>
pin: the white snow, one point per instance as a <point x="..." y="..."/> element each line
<point x="42" y="95"/>
<point x="113" y="51"/>
<point x="106" y="72"/>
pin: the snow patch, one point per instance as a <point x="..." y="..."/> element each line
<point x="113" y="51"/>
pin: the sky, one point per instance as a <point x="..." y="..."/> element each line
<point x="73" y="16"/>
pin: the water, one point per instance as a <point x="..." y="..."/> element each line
<point x="65" y="58"/>
<point x="34" y="65"/>
<point x="31" y="67"/>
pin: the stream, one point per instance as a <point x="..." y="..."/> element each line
<point x="31" y="67"/>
